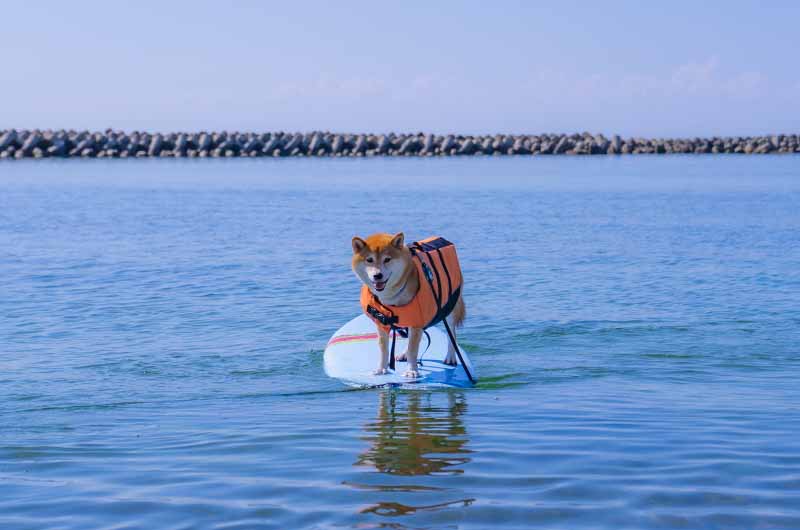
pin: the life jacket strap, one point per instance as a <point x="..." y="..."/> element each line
<point x="391" y="352"/>
<point x="443" y="312"/>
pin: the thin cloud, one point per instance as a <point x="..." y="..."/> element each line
<point x="327" y="86"/>
<point x="694" y="77"/>
<point x="691" y="79"/>
<point x="746" y="84"/>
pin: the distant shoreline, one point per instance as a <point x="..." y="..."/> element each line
<point x="19" y="144"/>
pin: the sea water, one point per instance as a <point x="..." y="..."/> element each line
<point x="634" y="322"/>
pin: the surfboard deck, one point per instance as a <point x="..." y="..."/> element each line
<point x="352" y="354"/>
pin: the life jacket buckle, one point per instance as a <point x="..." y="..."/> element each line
<point x="380" y="317"/>
<point x="427" y="271"/>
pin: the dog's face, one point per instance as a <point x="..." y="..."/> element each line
<point x="381" y="262"/>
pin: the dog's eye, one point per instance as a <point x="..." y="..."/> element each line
<point x="387" y="260"/>
<point x="369" y="260"/>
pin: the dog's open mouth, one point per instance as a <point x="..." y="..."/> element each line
<point x="380" y="286"/>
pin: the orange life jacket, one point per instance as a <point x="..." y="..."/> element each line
<point x="439" y="289"/>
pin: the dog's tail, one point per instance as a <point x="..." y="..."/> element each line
<point x="459" y="313"/>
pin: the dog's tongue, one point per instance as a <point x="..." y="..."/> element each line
<point x="380" y="285"/>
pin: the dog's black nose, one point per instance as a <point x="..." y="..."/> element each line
<point x="378" y="276"/>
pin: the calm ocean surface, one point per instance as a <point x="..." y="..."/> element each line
<point x="634" y="322"/>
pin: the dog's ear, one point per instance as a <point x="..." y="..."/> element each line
<point x="358" y="245"/>
<point x="397" y="240"/>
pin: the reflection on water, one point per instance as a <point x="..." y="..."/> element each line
<point x="415" y="433"/>
<point x="413" y="436"/>
<point x="396" y="508"/>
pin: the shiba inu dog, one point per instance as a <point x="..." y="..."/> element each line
<point x="399" y="281"/>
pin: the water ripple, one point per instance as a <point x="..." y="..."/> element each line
<point x="161" y="341"/>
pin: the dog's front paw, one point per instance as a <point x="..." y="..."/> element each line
<point x="411" y="374"/>
<point x="380" y="371"/>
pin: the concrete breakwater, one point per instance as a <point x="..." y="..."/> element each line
<point x="17" y="144"/>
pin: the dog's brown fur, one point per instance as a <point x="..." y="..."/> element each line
<point x="385" y="265"/>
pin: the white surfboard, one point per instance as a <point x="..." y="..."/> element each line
<point x="352" y="354"/>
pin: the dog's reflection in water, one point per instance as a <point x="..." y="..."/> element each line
<point x="416" y="433"/>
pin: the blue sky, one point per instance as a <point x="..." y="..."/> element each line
<point x="634" y="68"/>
